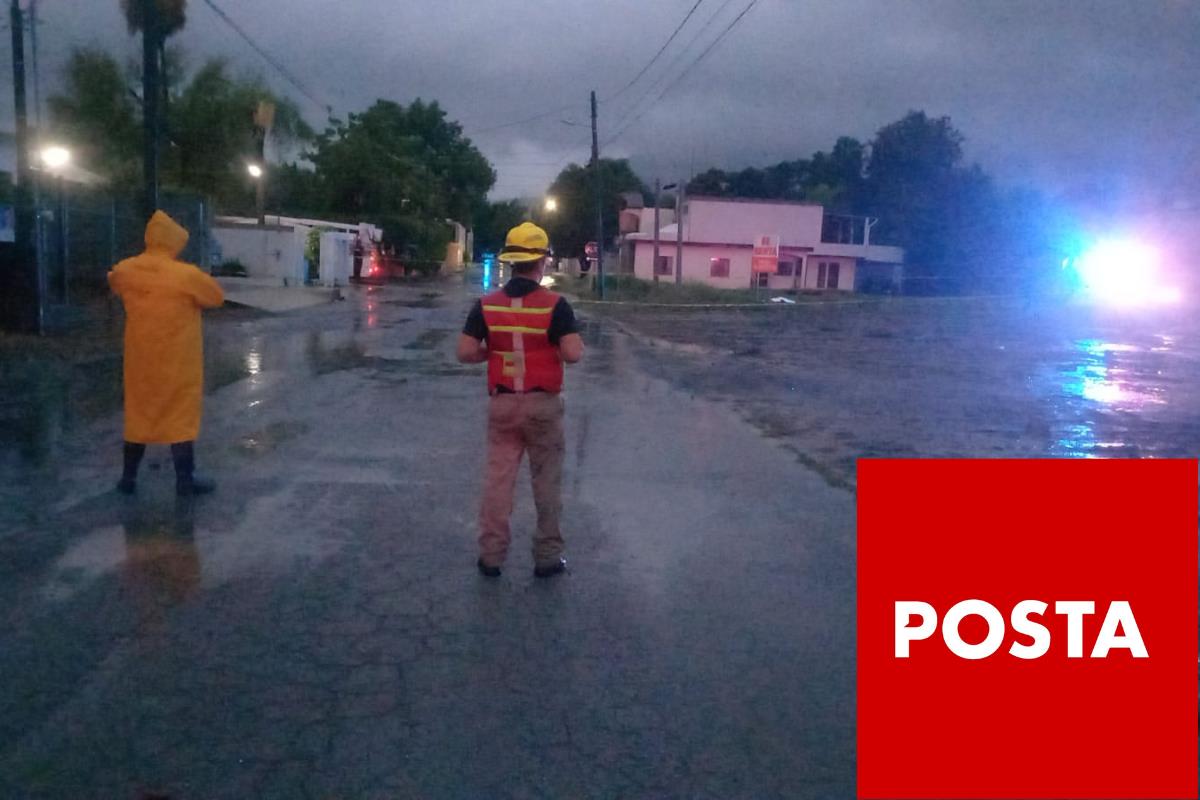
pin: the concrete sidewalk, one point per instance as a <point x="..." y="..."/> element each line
<point x="317" y="628"/>
<point x="273" y="297"/>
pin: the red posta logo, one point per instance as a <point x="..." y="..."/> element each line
<point x="1027" y="629"/>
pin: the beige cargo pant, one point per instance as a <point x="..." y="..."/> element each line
<point x="518" y="423"/>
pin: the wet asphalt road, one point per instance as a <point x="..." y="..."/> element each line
<point x="953" y="377"/>
<point x="317" y="629"/>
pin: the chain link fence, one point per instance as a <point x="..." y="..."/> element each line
<point x="81" y="233"/>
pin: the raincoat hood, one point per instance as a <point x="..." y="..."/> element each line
<point x="164" y="234"/>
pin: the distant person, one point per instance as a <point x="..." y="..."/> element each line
<point x="525" y="333"/>
<point x="164" y="360"/>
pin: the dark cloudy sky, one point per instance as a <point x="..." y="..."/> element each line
<point x="1055" y="93"/>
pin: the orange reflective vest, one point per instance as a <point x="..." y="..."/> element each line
<point x="520" y="355"/>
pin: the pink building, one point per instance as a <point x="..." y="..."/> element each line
<point x="816" y="250"/>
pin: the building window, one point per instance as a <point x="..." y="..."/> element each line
<point x="787" y="268"/>
<point x="827" y="274"/>
<point x="664" y="266"/>
<point x="761" y="279"/>
<point x="718" y="267"/>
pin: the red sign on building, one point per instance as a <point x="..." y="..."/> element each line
<point x="766" y="254"/>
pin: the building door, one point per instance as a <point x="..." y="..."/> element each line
<point x="832" y="276"/>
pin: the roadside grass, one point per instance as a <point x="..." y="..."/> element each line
<point x="628" y="289"/>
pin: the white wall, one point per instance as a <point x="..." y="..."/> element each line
<point x="267" y="252"/>
<point x="812" y="271"/>
<point x="696" y="263"/>
<point x="337" y="259"/>
<point x="742" y="222"/>
<point x="697" y="267"/>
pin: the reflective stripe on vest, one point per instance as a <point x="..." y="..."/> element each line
<point x="521" y="356"/>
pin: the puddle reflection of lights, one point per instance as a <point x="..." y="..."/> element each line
<point x="1104" y="392"/>
<point x="253" y="362"/>
<point x="1098" y="382"/>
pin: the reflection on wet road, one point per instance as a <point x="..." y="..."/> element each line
<point x="965" y="378"/>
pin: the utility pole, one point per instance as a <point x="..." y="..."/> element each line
<point x="150" y="100"/>
<point x="264" y="120"/>
<point x="22" y="281"/>
<point x="679" y="199"/>
<point x="599" y="200"/>
<point x="657" y="196"/>
<point x="37" y="81"/>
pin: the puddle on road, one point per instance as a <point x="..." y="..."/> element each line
<point x="153" y="548"/>
<point x="428" y="340"/>
<point x="264" y="441"/>
<point x="44" y="400"/>
<point x="427" y="300"/>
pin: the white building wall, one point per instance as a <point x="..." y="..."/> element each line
<point x="715" y="229"/>
<point x="697" y="267"/>
<point x="697" y="264"/>
<point x="275" y="252"/>
<point x="742" y="222"/>
<point x="337" y="259"/>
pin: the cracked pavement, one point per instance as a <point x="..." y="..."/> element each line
<point x="317" y="629"/>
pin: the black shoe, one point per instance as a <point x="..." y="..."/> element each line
<point x="486" y="571"/>
<point x="127" y="486"/>
<point x="188" y="487"/>
<point x="550" y="570"/>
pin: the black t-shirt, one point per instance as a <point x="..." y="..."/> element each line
<point x="562" y="319"/>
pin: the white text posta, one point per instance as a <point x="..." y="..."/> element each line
<point x="1119" y="631"/>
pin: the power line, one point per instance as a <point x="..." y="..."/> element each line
<point x="675" y="62"/>
<point x="687" y="71"/>
<point x="657" y="55"/>
<point x="534" y="118"/>
<point x="614" y="96"/>
<point x="292" y="79"/>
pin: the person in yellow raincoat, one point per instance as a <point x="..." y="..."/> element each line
<point x="164" y="351"/>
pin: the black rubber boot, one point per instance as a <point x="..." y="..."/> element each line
<point x="187" y="483"/>
<point x="133" y="459"/>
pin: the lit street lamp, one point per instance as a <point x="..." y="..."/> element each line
<point x="55" y="157"/>
<point x="551" y="204"/>
<point x="260" y="191"/>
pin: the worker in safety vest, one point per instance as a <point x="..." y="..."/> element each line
<point x="164" y="352"/>
<point x="525" y="333"/>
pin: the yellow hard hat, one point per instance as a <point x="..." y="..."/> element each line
<point x="526" y="242"/>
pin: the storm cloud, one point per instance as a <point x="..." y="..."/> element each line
<point x="1050" y="93"/>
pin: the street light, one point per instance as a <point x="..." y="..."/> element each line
<point x="55" y="157"/>
<point x="260" y="191"/>
<point x="551" y="204"/>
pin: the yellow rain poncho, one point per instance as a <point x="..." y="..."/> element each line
<point x="164" y="350"/>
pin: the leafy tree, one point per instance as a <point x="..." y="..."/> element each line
<point x="834" y="179"/>
<point x="172" y="15"/>
<point x="493" y="221"/>
<point x="210" y="125"/>
<point x="212" y="133"/>
<point x="96" y="113"/>
<point x="710" y="183"/>
<point x="573" y="225"/>
<point x="406" y="169"/>
<point x="912" y="176"/>
<point x="837" y="179"/>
